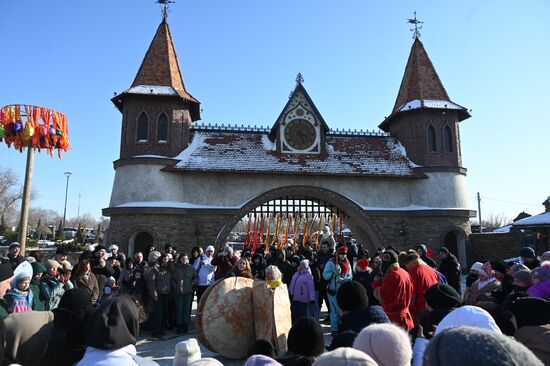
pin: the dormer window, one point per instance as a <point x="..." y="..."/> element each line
<point x="162" y="129"/>
<point x="447" y="139"/>
<point x="142" y="128"/>
<point x="432" y="141"/>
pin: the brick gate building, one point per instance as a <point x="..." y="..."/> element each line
<point x="189" y="184"/>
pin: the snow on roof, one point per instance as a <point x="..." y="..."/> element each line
<point x="254" y="152"/>
<point x="503" y="229"/>
<point x="152" y="90"/>
<point x="172" y="204"/>
<point x="427" y="103"/>
<point x="152" y="156"/>
<point x="540" y="219"/>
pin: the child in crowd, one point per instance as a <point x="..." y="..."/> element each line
<point x="20" y="297"/>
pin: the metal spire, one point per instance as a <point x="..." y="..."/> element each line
<point x="299" y="78"/>
<point x="164" y="4"/>
<point x="417" y="26"/>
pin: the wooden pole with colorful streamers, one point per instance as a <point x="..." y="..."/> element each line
<point x="267" y="233"/>
<point x="319" y="231"/>
<point x="296" y="228"/>
<point x="32" y="127"/>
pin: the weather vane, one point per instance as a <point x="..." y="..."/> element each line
<point x="299" y="78"/>
<point x="417" y="26"/>
<point x="164" y="4"/>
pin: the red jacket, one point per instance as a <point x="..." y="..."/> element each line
<point x="422" y="277"/>
<point x="396" y="293"/>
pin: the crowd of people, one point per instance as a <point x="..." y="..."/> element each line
<point x="389" y="308"/>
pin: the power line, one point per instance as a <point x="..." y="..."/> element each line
<point x="512" y="202"/>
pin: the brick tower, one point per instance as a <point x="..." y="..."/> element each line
<point x="424" y="118"/>
<point x="157" y="111"/>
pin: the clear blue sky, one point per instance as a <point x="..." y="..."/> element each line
<point x="240" y="58"/>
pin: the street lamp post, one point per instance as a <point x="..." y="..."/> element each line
<point x="68" y="175"/>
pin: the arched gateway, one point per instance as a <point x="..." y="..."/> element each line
<point x="189" y="184"/>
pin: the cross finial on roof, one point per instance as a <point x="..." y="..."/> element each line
<point x="417" y="26"/>
<point x="164" y="4"/>
<point x="299" y="78"/>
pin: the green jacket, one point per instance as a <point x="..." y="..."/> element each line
<point x="38" y="301"/>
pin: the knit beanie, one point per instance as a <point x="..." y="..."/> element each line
<point x="476" y="266"/>
<point x="261" y="360"/>
<point x="207" y="361"/>
<point x="541" y="273"/>
<point x="444" y="250"/>
<point x="37" y="268"/>
<point x="477" y="347"/>
<point x="363" y="263"/>
<point x="5" y="271"/>
<point x="50" y="264"/>
<point x="75" y="299"/>
<point x="527" y="252"/>
<point x="442" y="296"/>
<point x="524" y="276"/>
<point x="387" y="344"/>
<point x="187" y="352"/>
<point x="531" y="311"/>
<point x="471" y="316"/>
<point x="545" y="255"/>
<point x="345" y="356"/>
<point x="154" y="256"/>
<point x="306" y="338"/>
<point x="352" y="296"/>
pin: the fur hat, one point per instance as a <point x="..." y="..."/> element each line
<point x="531" y="311"/>
<point x="306" y="338"/>
<point x="154" y="256"/>
<point x="527" y="252"/>
<point x="442" y="296"/>
<point x="352" y="296"/>
<point x="477" y="347"/>
<point x="387" y="344"/>
<point x="51" y="264"/>
<point x="187" y="352"/>
<point x="345" y="356"/>
<point x="113" y="246"/>
<point x="261" y="360"/>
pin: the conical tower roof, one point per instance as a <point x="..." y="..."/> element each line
<point x="160" y="73"/>
<point x="421" y="87"/>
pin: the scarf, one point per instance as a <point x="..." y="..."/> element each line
<point x="275" y="283"/>
<point x="344" y="265"/>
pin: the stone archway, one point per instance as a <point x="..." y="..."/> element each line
<point x="357" y="219"/>
<point x="140" y="239"/>
<point x="454" y="239"/>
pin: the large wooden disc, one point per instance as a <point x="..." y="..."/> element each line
<point x="224" y="319"/>
<point x="272" y="317"/>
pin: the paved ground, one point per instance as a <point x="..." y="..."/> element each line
<point x="162" y="351"/>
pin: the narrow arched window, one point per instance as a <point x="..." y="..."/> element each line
<point x="162" y="128"/>
<point x="447" y="139"/>
<point x="142" y="128"/>
<point x="432" y="144"/>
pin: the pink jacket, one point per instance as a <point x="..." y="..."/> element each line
<point x="301" y="287"/>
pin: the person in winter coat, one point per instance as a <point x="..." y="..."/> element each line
<point x="540" y="277"/>
<point x="282" y="262"/>
<point x="356" y="313"/>
<point x="529" y="258"/>
<point x="86" y="280"/>
<point x="67" y="342"/>
<point x="184" y="278"/>
<point x="302" y="290"/>
<point x="51" y="289"/>
<point x="258" y="266"/>
<point x="481" y="290"/>
<point x="336" y="272"/>
<point x="365" y="275"/>
<point x="532" y="320"/>
<point x="450" y="268"/>
<point x="224" y="261"/>
<point x="20" y="297"/>
<point x="395" y="291"/>
<point x="241" y="269"/>
<point x="305" y="343"/>
<point x="422" y="277"/>
<point x="126" y="274"/>
<point x="14" y="255"/>
<point x="205" y="270"/>
<point x="441" y="300"/>
<point x="115" y="255"/>
<point x="38" y="270"/>
<point x="112" y="335"/>
<point x="387" y="344"/>
<point x="422" y="251"/>
<point x="323" y="256"/>
<point x="158" y="279"/>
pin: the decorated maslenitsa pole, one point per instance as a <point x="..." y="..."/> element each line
<point x="30" y="127"/>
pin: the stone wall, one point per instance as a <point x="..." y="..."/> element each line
<point x="491" y="246"/>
